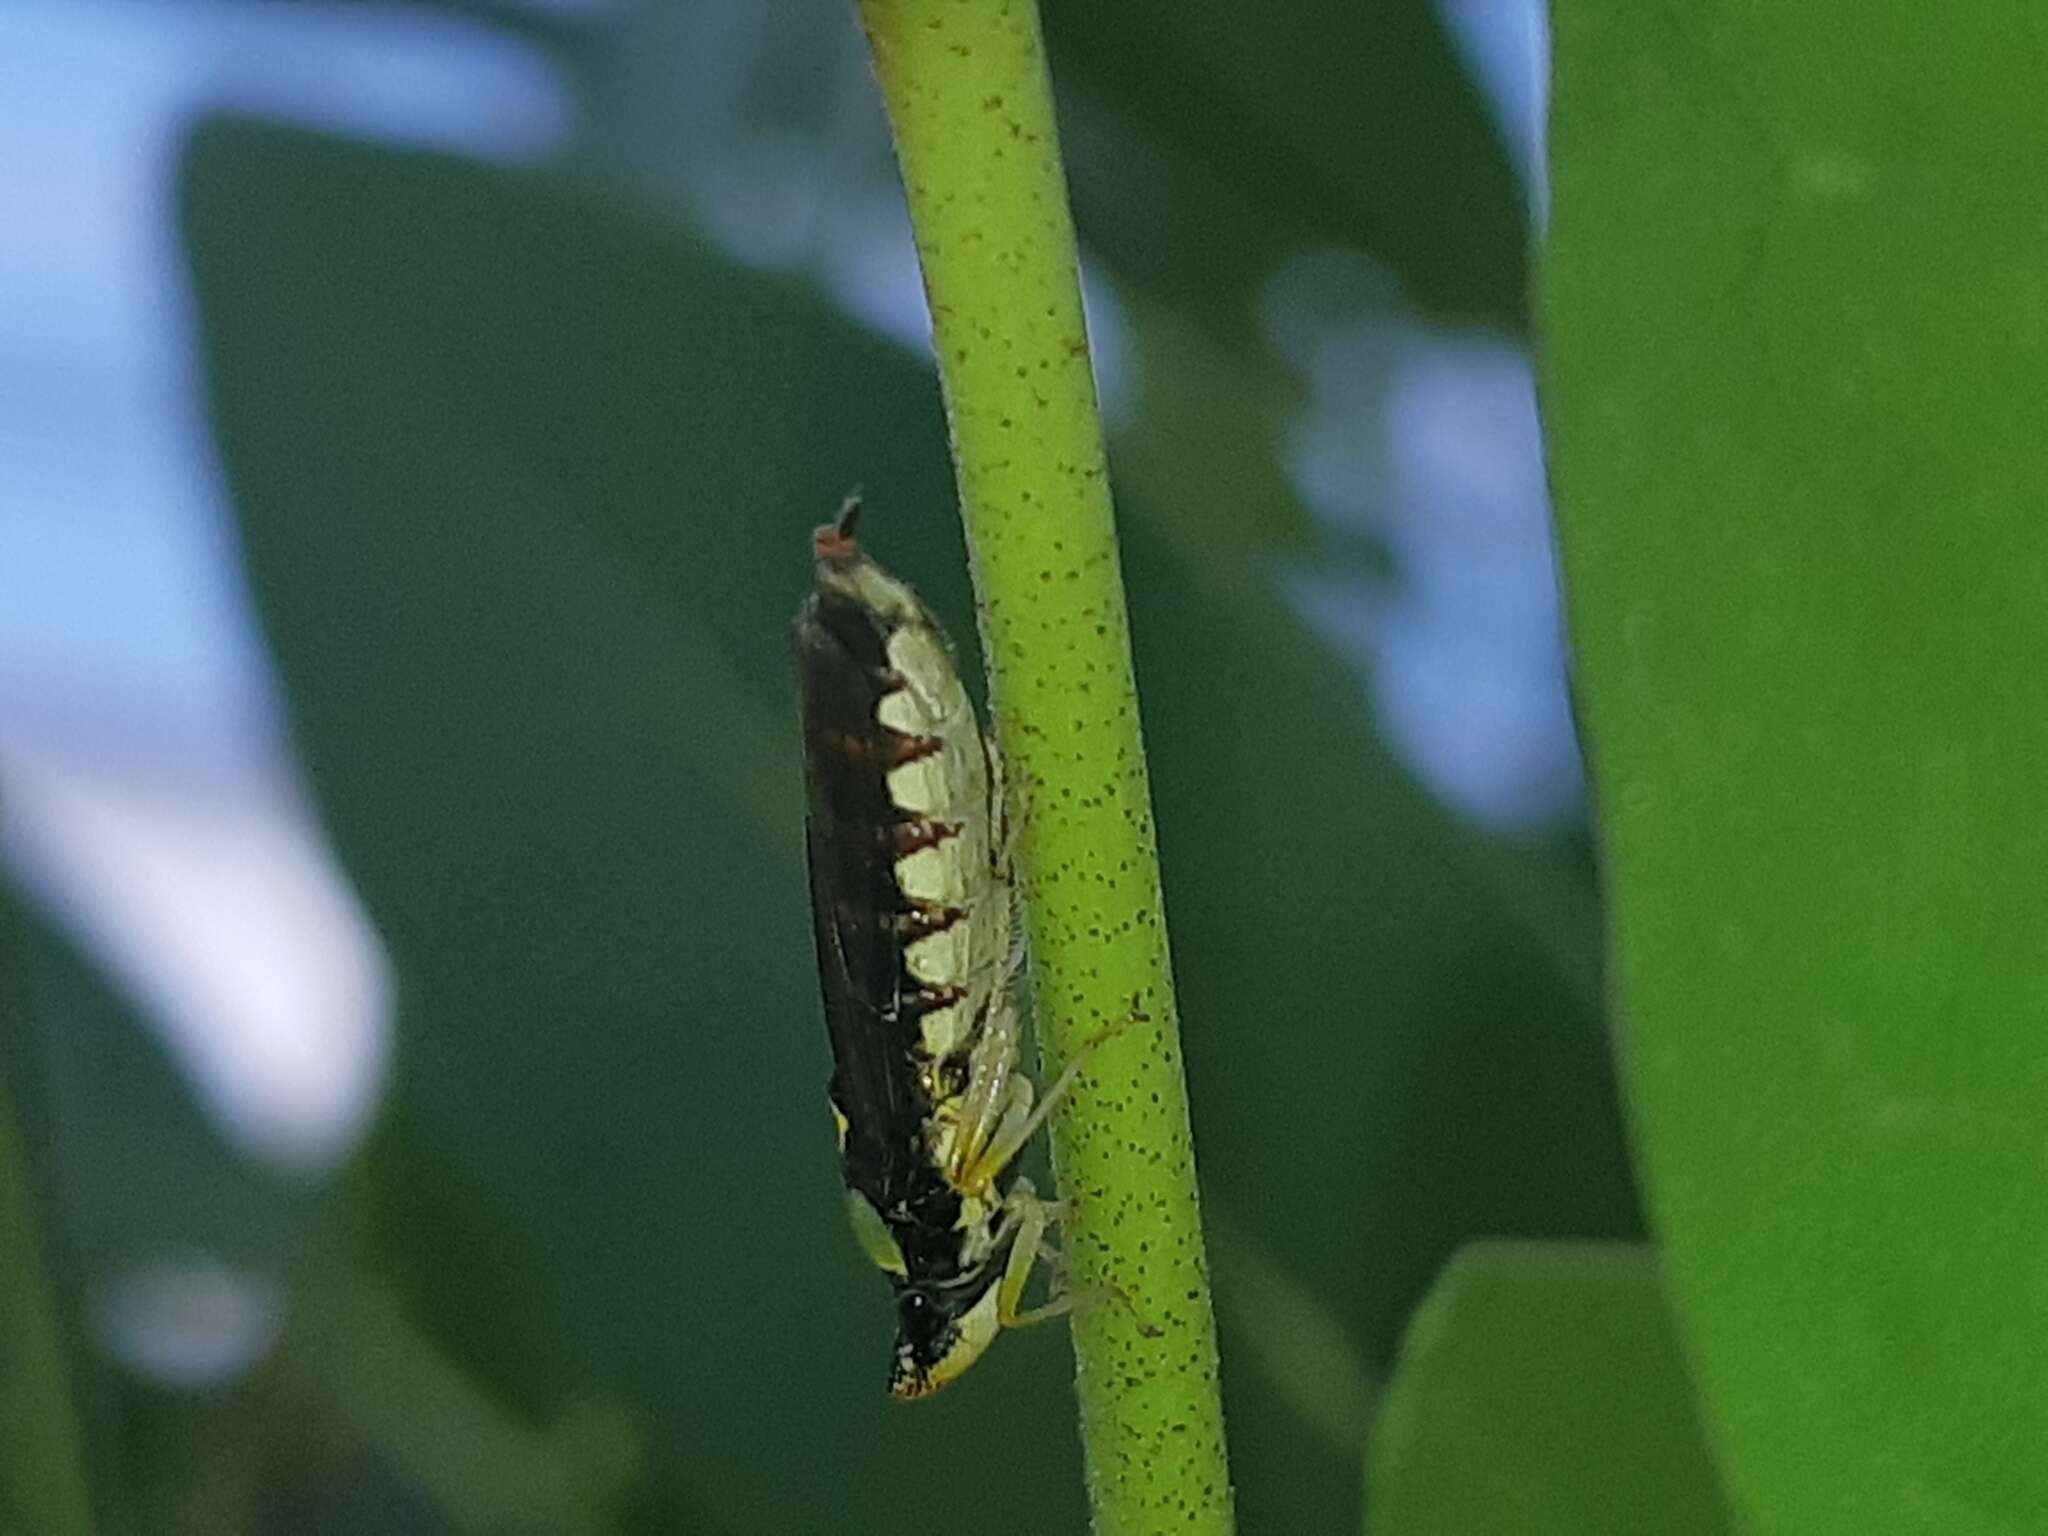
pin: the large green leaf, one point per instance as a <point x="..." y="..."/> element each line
<point x="1541" y="1391"/>
<point x="524" y="487"/>
<point x="1797" y="316"/>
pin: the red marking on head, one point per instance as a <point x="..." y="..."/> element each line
<point x="835" y="540"/>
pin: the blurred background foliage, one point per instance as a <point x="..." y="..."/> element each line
<point x="522" y="431"/>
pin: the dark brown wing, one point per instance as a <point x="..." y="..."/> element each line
<point x="843" y="669"/>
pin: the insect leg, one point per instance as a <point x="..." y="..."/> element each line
<point x="1029" y="1216"/>
<point x="994" y="1088"/>
<point x="1021" y="1119"/>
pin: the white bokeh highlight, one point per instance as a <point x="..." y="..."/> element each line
<point x="1423" y="443"/>
<point x="149" y="803"/>
<point x="1505" y="46"/>
<point x="188" y="1320"/>
<point x="220" y="905"/>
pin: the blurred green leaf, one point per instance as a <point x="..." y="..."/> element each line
<point x="1201" y="450"/>
<point x="353" y="1364"/>
<point x="408" y="1223"/>
<point x="146" y="1171"/>
<point x="525" y="487"/>
<point x="43" y="1485"/>
<point x="1209" y="147"/>
<point x="1331" y="123"/>
<point x="1541" y="1391"/>
<point x="1798" y="343"/>
<point x="1289" y="1334"/>
<point x="42" y="1471"/>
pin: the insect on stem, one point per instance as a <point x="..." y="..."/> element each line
<point x="911" y="901"/>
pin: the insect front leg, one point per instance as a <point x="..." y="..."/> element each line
<point x="1027" y="1217"/>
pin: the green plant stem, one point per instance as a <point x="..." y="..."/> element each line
<point x="970" y="105"/>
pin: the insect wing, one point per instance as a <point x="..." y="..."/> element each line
<point x="842" y="669"/>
